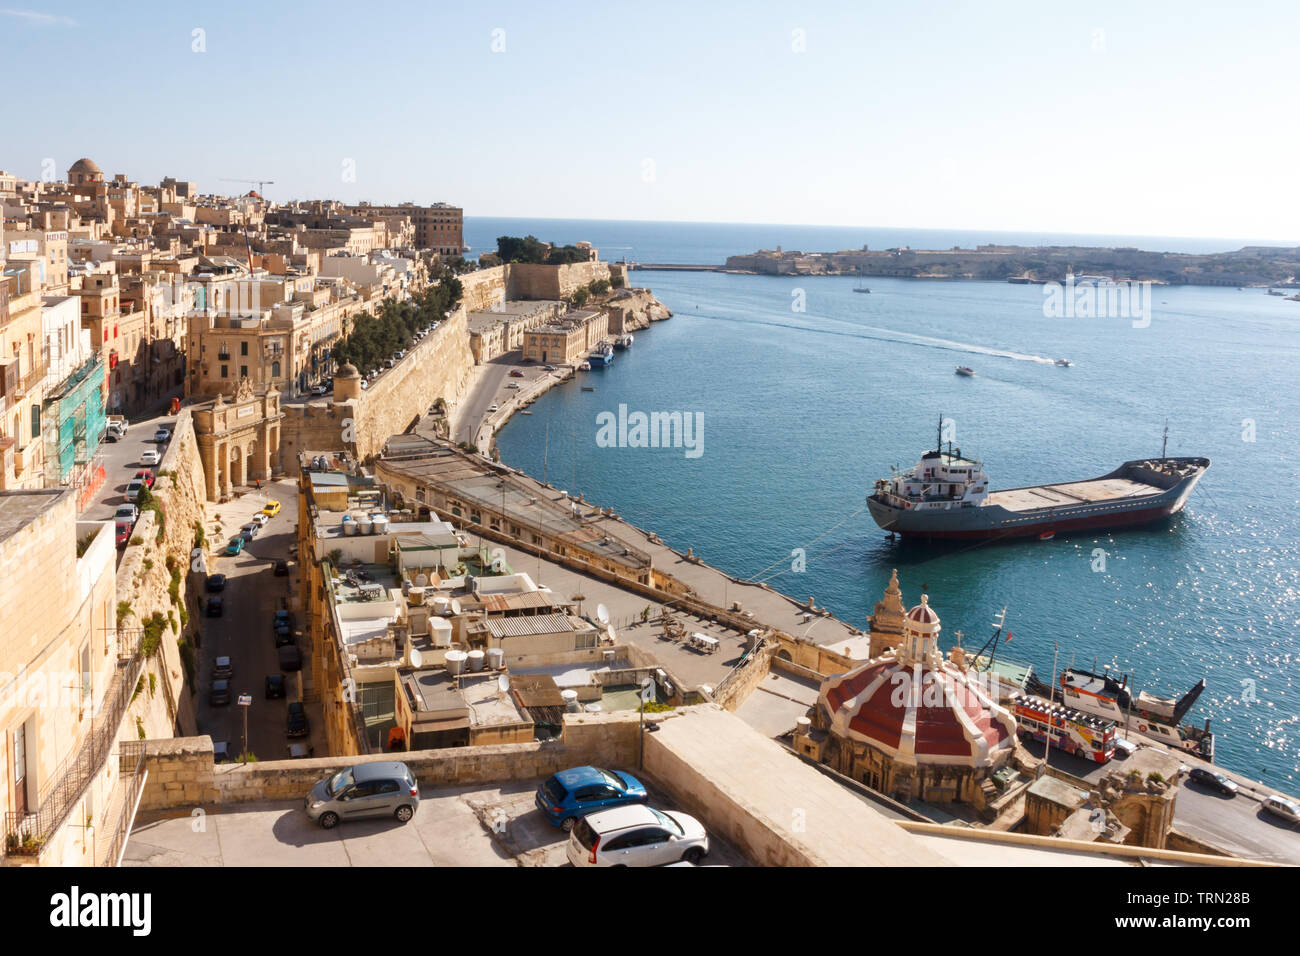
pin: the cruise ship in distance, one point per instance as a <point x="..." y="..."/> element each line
<point x="947" y="496"/>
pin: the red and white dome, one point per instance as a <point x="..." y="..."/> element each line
<point x="917" y="707"/>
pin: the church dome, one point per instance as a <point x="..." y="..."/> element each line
<point x="923" y="614"/>
<point x="348" y="370"/>
<point x="87" y="166"/>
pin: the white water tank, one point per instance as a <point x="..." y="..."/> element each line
<point x="802" y="726"/>
<point x="455" y="661"/>
<point x="416" y="597"/>
<point x="440" y="630"/>
<point x="349" y="526"/>
<point x="593" y="708"/>
<point x="379" y="523"/>
<point x="570" y="698"/>
<point x="496" y="657"/>
<point x="476" y="660"/>
<point x="363" y="525"/>
<point x="440" y="605"/>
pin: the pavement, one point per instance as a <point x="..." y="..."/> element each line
<point x="454" y="826"/>
<point x="244" y="631"/>
<point x="490" y="384"/>
<point x="779" y="700"/>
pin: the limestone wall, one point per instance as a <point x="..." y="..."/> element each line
<point x="314" y="427"/>
<point x="483" y="289"/>
<point x="182" y="775"/>
<point x="527" y="281"/>
<point x="633" y="311"/>
<point x="144" y="579"/>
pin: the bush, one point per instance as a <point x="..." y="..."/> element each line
<point x="580" y="296"/>
<point x="153" y="631"/>
<point x="123" y="612"/>
<point x="598" y="286"/>
<point x="617" y="282"/>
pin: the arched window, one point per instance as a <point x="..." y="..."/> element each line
<point x="275" y="370"/>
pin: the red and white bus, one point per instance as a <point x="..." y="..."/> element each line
<point x="1077" y="733"/>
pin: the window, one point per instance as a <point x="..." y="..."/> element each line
<point x="36" y="421"/>
<point x="243" y="371"/>
<point x="85" y="678"/>
<point x="275" y="370"/>
<point x="243" y="348"/>
<point x="225" y="371"/>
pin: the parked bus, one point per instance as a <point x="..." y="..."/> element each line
<point x="1077" y="733"/>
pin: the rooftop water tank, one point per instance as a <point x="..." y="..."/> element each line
<point x="379" y="523"/>
<point x="496" y="658"/>
<point x="455" y="661"/>
<point x="440" y="630"/>
<point x="570" y="698"/>
<point x="593" y="708"/>
<point x="349" y="526"/>
<point x="802" y="726"/>
<point x="364" y="525"/>
<point x="416" y="597"/>
<point x="441" y="605"/>
<point x="476" y="660"/>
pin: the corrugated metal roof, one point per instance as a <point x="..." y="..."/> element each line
<point x="528" y="625"/>
<point x="515" y="602"/>
<point x="329" y="478"/>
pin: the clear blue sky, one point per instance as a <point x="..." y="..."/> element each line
<point x="1142" y="118"/>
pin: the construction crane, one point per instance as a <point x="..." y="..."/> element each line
<point x="261" y="184"/>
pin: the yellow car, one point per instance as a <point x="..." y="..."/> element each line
<point x="272" y="509"/>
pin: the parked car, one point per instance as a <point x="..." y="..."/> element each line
<point x="572" y="794"/>
<point x="271" y="509"/>
<point x="215" y="606"/>
<point x="126" y="513"/>
<point x="249" y="531"/>
<point x="389" y="363"/>
<point x="1124" y="748"/>
<point x="220" y="693"/>
<point x="296" y="724"/>
<point x="223" y="669"/>
<point x="283" y="628"/>
<point x="282" y="568"/>
<point x="147" y="476"/>
<point x="366" y="790"/>
<point x="221" y="751"/>
<point x="637" y="835"/>
<point x="493" y="407"/>
<point x="1282" y="807"/>
<point x="274" y="686"/>
<point x="365" y="384"/>
<point x="1214" y="780"/>
<point x="549" y="368"/>
<point x="133" y="489"/>
<point x="122" y="534"/>
<point x="512" y="384"/>
<point x="215" y="584"/>
<point x="260" y="519"/>
<point x="516" y="373"/>
<point x="319" y="390"/>
<point x="150" y="457"/>
<point x="162" y="436"/>
<point x="290" y="658"/>
<point x="235" y="545"/>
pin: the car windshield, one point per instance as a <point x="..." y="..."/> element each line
<point x="584" y="834"/>
<point x="339" y="781"/>
<point x="668" y="822"/>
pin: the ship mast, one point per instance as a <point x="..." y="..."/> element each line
<point x="1164" y="445"/>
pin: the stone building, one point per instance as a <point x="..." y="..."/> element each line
<point x="567" y="341"/>
<point x="239" y="439"/>
<point x="910" y="723"/>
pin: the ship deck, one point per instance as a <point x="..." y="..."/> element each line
<point x="1096" y="491"/>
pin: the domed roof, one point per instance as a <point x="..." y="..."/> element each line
<point x="919" y="714"/>
<point x="923" y="613"/>
<point x="87" y="166"/>
<point x="348" y="370"/>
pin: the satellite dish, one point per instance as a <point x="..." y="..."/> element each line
<point x="602" y="614"/>
<point x="503" y="682"/>
<point x="455" y="605"/>
<point x="416" y="658"/>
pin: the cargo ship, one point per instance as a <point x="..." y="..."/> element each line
<point x="946" y="496"/>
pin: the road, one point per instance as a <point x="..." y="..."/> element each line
<point x="244" y="633"/>
<point x="492" y="386"/>
<point x="121" y="460"/>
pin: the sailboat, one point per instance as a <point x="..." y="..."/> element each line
<point x="860" y="287"/>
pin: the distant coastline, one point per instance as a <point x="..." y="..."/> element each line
<point x="1253" y="266"/>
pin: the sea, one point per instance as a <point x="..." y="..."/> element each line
<point x="808" y="391"/>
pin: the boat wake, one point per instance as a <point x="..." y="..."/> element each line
<point x="878" y="334"/>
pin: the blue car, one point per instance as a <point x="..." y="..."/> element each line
<point x="236" y="545"/>
<point x="571" y="794"/>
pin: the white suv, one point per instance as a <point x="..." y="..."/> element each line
<point x="636" y="835"/>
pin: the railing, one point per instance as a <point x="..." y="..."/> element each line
<point x="130" y="757"/>
<point x="32" y="379"/>
<point x="28" y="832"/>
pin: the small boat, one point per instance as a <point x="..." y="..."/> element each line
<point x="588" y="388"/>
<point x="584" y="367"/>
<point x="525" y="412"/>
<point x="966" y="371"/>
<point x="1064" y="363"/>
<point x="1047" y="536"/>
<point x="860" y="287"/>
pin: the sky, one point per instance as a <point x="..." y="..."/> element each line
<point x="1171" y="119"/>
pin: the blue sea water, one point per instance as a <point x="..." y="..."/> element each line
<point x="803" y="410"/>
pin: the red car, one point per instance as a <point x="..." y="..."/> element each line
<point x="123" y="536"/>
<point x="515" y="373"/>
<point x="147" y="476"/>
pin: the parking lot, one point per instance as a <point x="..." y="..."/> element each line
<point x="455" y="826"/>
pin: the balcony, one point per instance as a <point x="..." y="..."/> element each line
<point x="32" y="379"/>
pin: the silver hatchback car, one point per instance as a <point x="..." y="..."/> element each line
<point x="386" y="789"/>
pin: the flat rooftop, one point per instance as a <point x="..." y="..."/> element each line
<point x="20" y="508"/>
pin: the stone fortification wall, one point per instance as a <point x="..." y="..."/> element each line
<point x="483" y="289"/>
<point x="634" y="310"/>
<point x="527" y="281"/>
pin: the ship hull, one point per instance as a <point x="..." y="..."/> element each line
<point x="992" y="521"/>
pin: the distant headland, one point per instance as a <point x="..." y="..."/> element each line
<point x="1268" y="266"/>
